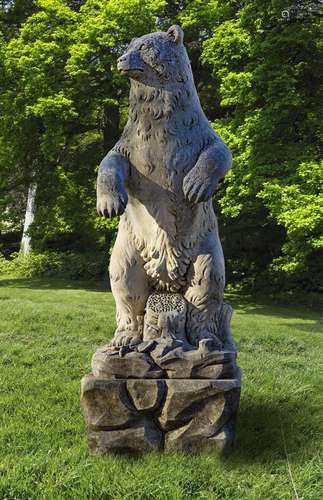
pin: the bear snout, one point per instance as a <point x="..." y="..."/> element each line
<point x="130" y="62"/>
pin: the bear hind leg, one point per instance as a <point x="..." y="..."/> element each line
<point x="204" y="296"/>
<point x="130" y="288"/>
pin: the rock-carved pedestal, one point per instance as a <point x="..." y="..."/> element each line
<point x="163" y="393"/>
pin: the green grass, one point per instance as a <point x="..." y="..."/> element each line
<point x="50" y="329"/>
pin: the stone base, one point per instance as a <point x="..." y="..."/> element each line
<point x="164" y="393"/>
<point x="141" y="415"/>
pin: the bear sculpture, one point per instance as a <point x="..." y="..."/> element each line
<point x="160" y="177"/>
<point x="168" y="379"/>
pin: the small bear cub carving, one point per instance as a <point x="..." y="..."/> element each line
<point x="160" y="177"/>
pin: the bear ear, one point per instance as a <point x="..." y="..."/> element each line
<point x="175" y="34"/>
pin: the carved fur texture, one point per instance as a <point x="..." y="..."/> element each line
<point x="161" y="176"/>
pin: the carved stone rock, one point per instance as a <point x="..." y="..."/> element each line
<point x="136" y="416"/>
<point x="166" y="358"/>
<point x="187" y="400"/>
<point x="146" y="395"/>
<point x="200" y="435"/>
<point x="183" y="362"/>
<point x="116" y="364"/>
<point x="105" y="403"/>
<point x="163" y="393"/>
<point x="195" y="416"/>
<point x="143" y="437"/>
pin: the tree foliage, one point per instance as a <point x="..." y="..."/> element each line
<point x="63" y="105"/>
<point x="269" y="78"/>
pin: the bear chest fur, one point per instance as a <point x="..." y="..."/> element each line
<point x="162" y="140"/>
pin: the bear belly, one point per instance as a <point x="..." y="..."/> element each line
<point x="165" y="242"/>
<point x="165" y="228"/>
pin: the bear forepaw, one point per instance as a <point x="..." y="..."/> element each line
<point x="111" y="204"/>
<point x="197" y="188"/>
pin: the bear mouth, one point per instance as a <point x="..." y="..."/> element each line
<point x="127" y="71"/>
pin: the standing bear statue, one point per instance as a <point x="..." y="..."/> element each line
<point x="168" y="379"/>
<point x="160" y="176"/>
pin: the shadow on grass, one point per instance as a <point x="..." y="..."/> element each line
<point x="55" y="284"/>
<point x="263" y="427"/>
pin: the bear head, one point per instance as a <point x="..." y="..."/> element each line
<point x="157" y="59"/>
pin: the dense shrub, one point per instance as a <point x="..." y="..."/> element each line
<point x="69" y="265"/>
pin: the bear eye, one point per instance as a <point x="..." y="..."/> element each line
<point x="144" y="47"/>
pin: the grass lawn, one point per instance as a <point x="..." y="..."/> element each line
<point x="49" y="331"/>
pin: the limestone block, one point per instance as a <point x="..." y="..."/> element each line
<point x="146" y="395"/>
<point x="113" y="364"/>
<point x="143" y="437"/>
<point x="105" y="403"/>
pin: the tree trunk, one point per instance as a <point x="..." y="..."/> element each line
<point x="29" y="218"/>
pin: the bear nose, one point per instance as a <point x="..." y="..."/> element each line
<point x="121" y="59"/>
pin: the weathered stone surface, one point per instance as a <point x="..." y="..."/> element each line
<point x="194" y="438"/>
<point x="145" y="394"/>
<point x="223" y="440"/>
<point x="184" y="361"/>
<point x="215" y="371"/>
<point x="195" y="399"/>
<point x="210" y="425"/>
<point x="145" y="436"/>
<point x="134" y="416"/>
<point x="105" y="403"/>
<point x="169" y="358"/>
<point x="107" y="363"/>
